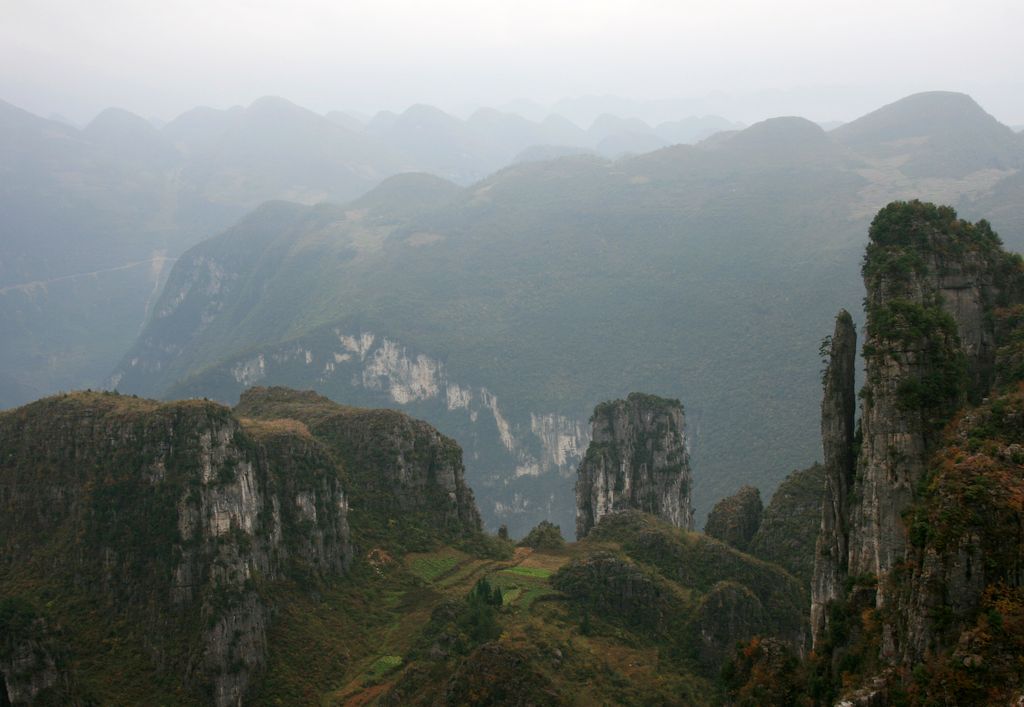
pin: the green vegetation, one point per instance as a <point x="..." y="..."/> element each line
<point x="765" y="673"/>
<point x="391" y="620"/>
<point x="644" y="400"/>
<point x="913" y="244"/>
<point x="975" y="483"/>
<point x="850" y="646"/>
<point x="922" y="225"/>
<point x="699" y="563"/>
<point x="990" y="672"/>
<point x="536" y="264"/>
<point x="529" y="571"/>
<point x="791" y="523"/>
<point x="430" y="567"/>
<point x="377" y="450"/>
<point x="949" y="599"/>
<point x="545" y="536"/>
<point x="736" y="518"/>
<point x="1010" y="353"/>
<point x="384" y="665"/>
<point x="638" y="612"/>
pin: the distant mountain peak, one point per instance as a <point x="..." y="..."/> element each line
<point x="277" y="106"/>
<point x="119" y="119"/>
<point x="426" y="110"/>
<point x="271" y="102"/>
<point x="408" y="193"/>
<point x="944" y="134"/>
<point x="129" y="135"/>
<point x="920" y="114"/>
<point x="786" y="126"/>
<point x="786" y="133"/>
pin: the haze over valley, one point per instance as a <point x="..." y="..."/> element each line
<point x="322" y="329"/>
<point x="474" y="301"/>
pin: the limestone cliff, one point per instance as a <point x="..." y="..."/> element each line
<point x="919" y="530"/>
<point x="637" y="459"/>
<point x="514" y="456"/>
<point x="966" y="536"/>
<point x="931" y="283"/>
<point x="34" y="664"/>
<point x="166" y="520"/>
<point x="406" y="480"/>
<point x="837" y="440"/>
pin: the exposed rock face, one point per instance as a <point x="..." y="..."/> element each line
<point x="512" y="452"/>
<point x="931" y="280"/>
<point x="735" y="519"/>
<point x="791" y="524"/>
<point x="637" y="459"/>
<point x="169" y="518"/>
<point x="934" y="288"/>
<point x="33" y="659"/>
<point x="399" y="468"/>
<point x="967" y="548"/>
<point x="837" y="430"/>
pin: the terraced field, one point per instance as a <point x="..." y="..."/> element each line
<point x="407" y="591"/>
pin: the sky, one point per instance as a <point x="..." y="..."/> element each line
<point x="744" y="59"/>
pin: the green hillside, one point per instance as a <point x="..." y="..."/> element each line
<point x="295" y="551"/>
<point x="707" y="272"/>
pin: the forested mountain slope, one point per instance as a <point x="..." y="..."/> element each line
<point x="503" y="312"/>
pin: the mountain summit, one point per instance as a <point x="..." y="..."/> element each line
<point x="940" y="132"/>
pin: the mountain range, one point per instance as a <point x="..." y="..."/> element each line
<point x="502" y="312"/>
<point x="92" y="218"/>
<point x="290" y="549"/>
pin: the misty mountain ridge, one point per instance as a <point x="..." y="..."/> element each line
<point x="94" y="216"/>
<point x="727" y="230"/>
<point x="485" y="309"/>
<point x="938" y="133"/>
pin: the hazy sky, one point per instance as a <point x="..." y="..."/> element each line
<point x="825" y="60"/>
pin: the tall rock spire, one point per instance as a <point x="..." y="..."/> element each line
<point x="637" y="459"/>
<point x="838" y="406"/>
<point x="932" y="281"/>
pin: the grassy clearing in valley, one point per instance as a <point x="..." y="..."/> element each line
<point x="431" y="566"/>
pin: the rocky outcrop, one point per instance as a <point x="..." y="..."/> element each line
<point x="637" y="459"/>
<point x="924" y="511"/>
<point x="406" y="478"/>
<point x="735" y="519"/>
<point x="169" y="519"/>
<point x="514" y="456"/>
<point x="838" y="406"/>
<point x="931" y="282"/>
<point x="967" y="546"/>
